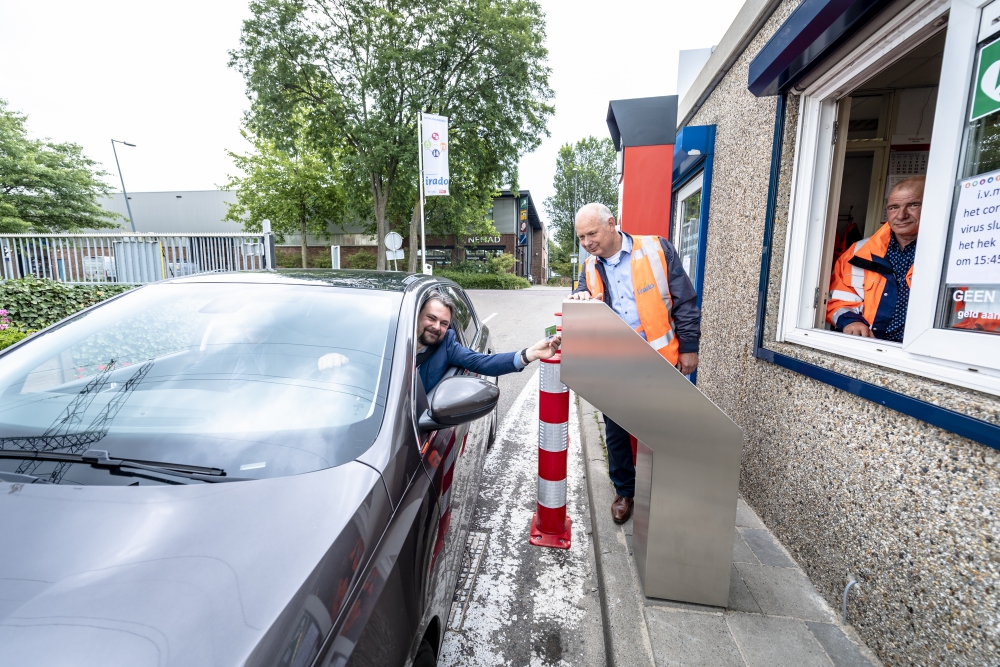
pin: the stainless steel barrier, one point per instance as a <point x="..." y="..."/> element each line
<point x="688" y="467"/>
<point x="131" y="258"/>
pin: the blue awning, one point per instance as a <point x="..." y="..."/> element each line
<point x="812" y="32"/>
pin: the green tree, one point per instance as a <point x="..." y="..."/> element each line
<point x="46" y="186"/>
<point x="559" y="259"/>
<point x="585" y="173"/>
<point x="296" y="190"/>
<point x="363" y="69"/>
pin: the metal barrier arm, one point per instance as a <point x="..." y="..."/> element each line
<point x="688" y="464"/>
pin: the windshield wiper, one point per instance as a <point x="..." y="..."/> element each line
<point x="18" y="478"/>
<point x="99" y="458"/>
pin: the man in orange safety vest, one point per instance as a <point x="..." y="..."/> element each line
<point x="870" y="286"/>
<point x="642" y="279"/>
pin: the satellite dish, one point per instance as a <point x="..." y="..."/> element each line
<point x="393" y="241"/>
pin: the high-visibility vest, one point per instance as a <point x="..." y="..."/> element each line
<point x="652" y="294"/>
<point x="859" y="277"/>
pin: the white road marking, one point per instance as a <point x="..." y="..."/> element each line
<point x="492" y="631"/>
<point x="489" y="318"/>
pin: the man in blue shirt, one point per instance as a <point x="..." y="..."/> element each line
<point x="599" y="235"/>
<point x="438" y="348"/>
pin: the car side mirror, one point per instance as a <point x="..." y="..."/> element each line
<point x="459" y="400"/>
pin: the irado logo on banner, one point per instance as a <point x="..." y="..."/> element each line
<point x="435" y="148"/>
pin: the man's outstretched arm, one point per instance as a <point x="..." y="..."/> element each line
<point x="500" y="363"/>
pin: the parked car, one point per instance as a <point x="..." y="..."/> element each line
<point x="237" y="469"/>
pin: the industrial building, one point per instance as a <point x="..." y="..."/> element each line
<point x="520" y="231"/>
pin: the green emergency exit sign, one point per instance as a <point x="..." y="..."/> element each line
<point x="986" y="99"/>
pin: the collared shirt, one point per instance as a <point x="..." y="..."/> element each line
<point x="901" y="259"/>
<point x="618" y="268"/>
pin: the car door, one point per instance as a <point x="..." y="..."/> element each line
<point x="381" y="621"/>
<point x="454" y="463"/>
<point x="410" y="583"/>
<point x="468" y="463"/>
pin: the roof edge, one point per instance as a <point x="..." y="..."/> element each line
<point x="747" y="24"/>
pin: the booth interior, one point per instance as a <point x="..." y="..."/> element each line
<point x="884" y="136"/>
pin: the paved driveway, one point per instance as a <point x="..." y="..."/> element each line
<point x="517" y="319"/>
<point x="528" y="605"/>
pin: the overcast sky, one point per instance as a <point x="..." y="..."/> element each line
<point x="156" y="75"/>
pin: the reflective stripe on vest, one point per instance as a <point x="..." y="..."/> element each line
<point x="594" y="279"/>
<point x="651" y="245"/>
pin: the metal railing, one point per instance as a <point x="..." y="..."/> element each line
<point x="131" y="258"/>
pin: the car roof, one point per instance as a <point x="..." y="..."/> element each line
<point x="390" y="281"/>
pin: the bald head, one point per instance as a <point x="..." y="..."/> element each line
<point x="595" y="227"/>
<point x="594" y="210"/>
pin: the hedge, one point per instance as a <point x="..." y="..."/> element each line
<point x="10" y="336"/>
<point x="485" y="280"/>
<point x="361" y="260"/>
<point x="34" y="303"/>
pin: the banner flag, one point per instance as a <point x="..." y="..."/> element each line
<point x="435" y="148"/>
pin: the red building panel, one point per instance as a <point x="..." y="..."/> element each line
<point x="646" y="189"/>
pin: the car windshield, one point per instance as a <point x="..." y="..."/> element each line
<point x="261" y="380"/>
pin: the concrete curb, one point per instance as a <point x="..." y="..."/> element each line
<point x="626" y="635"/>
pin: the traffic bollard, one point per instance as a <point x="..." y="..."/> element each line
<point x="550" y="527"/>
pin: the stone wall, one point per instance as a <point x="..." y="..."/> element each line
<point x="850" y="487"/>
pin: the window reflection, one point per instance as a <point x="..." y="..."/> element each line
<point x="970" y="289"/>
<point x="688" y="230"/>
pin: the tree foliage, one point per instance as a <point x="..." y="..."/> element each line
<point x="296" y="189"/>
<point x="46" y="186"/>
<point x="362" y="70"/>
<point x="585" y="173"/>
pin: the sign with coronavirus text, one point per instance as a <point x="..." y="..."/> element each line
<point x="972" y="275"/>
<point x="974" y="255"/>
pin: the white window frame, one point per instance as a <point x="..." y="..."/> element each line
<point x="962" y="358"/>
<point x="696" y="184"/>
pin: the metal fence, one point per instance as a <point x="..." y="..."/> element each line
<point x="131" y="258"/>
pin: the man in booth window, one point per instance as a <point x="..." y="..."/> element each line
<point x="870" y="286"/>
<point x="438" y="348"/>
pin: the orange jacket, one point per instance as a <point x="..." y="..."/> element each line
<point x="652" y="294"/>
<point x="863" y="287"/>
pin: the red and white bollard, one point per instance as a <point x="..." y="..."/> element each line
<point x="550" y="527"/>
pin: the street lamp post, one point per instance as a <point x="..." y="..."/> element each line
<point x="576" y="240"/>
<point x="127" y="205"/>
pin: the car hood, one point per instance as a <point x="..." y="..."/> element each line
<point x="174" y="575"/>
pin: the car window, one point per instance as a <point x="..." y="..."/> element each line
<point x="262" y="380"/>
<point x="466" y="320"/>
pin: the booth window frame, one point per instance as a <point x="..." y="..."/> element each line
<point x="949" y="356"/>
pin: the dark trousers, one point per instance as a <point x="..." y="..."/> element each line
<point x="620" y="466"/>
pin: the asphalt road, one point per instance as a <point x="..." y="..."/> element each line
<point x="520" y="321"/>
<point x="528" y="605"/>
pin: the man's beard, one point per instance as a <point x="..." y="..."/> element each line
<point x="427" y="338"/>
